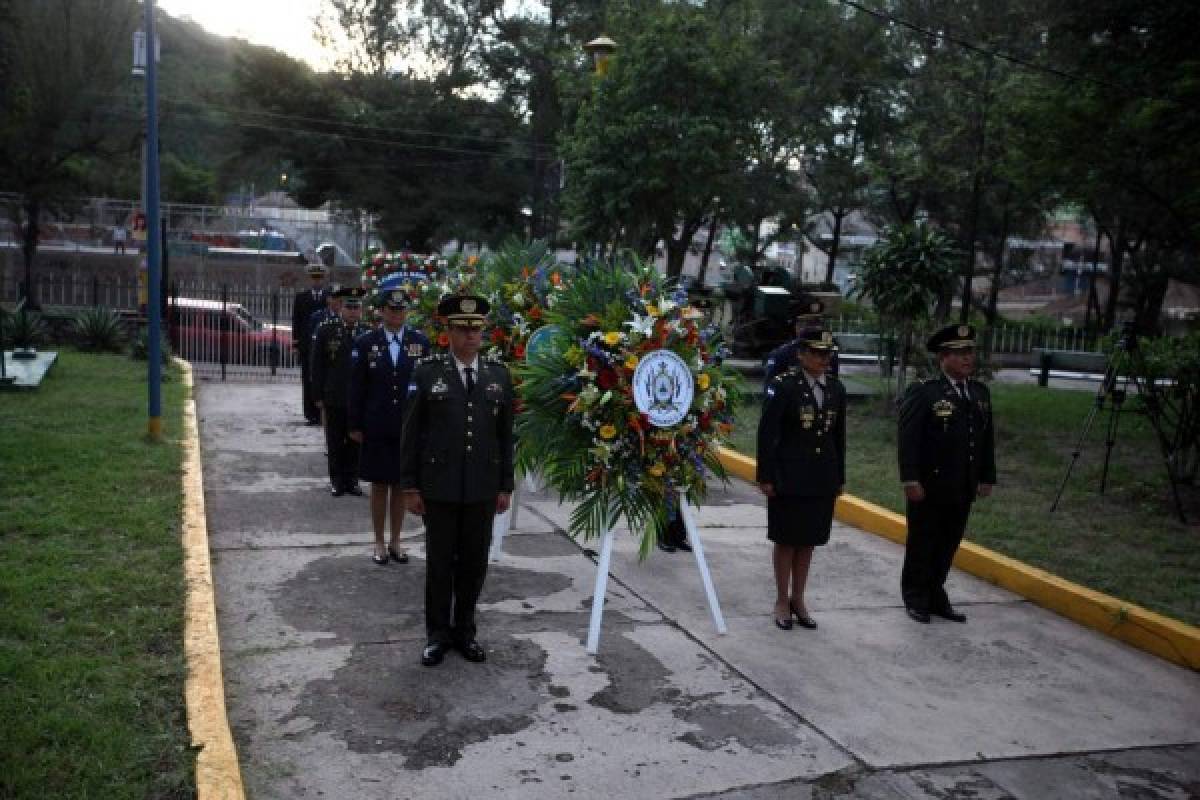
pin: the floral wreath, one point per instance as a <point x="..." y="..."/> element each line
<point x="581" y="426"/>
<point x="523" y="283"/>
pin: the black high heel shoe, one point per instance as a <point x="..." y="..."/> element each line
<point x="783" y="624"/>
<point x="804" y="620"/>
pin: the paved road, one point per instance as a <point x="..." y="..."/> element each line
<point x="327" y="697"/>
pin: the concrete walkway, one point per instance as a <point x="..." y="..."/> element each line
<point x="327" y="697"/>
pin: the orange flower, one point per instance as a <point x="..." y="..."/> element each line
<point x="556" y="279"/>
<point x="535" y="313"/>
<point x="525" y="273"/>
<point x="443" y="339"/>
<point x="591" y="321"/>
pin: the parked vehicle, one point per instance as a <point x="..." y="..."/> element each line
<point x="211" y="331"/>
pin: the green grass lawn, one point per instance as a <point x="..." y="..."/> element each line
<point x="1127" y="542"/>
<point x="91" y="588"/>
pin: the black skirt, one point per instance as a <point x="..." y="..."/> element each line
<point x="379" y="461"/>
<point x="800" y="521"/>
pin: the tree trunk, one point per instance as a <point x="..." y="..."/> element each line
<point x="1093" y="300"/>
<point x="901" y="363"/>
<point x="1116" y="248"/>
<point x="708" y="248"/>
<point x="835" y="243"/>
<point x="29" y="243"/>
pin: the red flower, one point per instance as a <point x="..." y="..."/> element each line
<point x="519" y="351"/>
<point x="705" y="421"/>
<point x="607" y="378"/>
<point x="497" y="335"/>
<point x="443" y="339"/>
<point x="535" y="313"/>
<point x="592" y="364"/>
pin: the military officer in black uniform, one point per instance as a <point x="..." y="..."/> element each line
<point x="947" y="459"/>
<point x="458" y="473"/>
<point x="801" y="468"/>
<point x="331" y="383"/>
<point x="808" y="312"/>
<point x="382" y="366"/>
<point x="306" y="302"/>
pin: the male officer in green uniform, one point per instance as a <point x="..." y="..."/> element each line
<point x="457" y="471"/>
<point x="331" y="365"/>
<point x="947" y="459"/>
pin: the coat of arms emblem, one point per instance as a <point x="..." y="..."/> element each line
<point x="663" y="388"/>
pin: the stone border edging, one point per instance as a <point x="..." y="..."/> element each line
<point x="1146" y="630"/>
<point x="218" y="776"/>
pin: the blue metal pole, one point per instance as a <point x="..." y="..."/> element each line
<point x="153" y="233"/>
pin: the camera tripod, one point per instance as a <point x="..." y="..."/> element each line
<point x="1119" y="362"/>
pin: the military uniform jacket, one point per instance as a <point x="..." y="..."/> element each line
<point x="331" y="361"/>
<point x="302" y="308"/>
<point x="802" y="447"/>
<point x="947" y="443"/>
<point x="458" y="448"/>
<point x="379" y="387"/>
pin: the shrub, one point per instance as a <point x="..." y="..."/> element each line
<point x="99" y="330"/>
<point x="23" y="329"/>
<point x="139" y="348"/>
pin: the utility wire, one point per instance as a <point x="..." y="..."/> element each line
<point x="981" y="50"/>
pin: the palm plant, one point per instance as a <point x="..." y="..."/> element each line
<point x="99" y="330"/>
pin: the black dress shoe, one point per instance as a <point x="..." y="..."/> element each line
<point x="471" y="651"/>
<point x="355" y="490"/>
<point x="337" y="491"/>
<point x="918" y="615"/>
<point x="398" y="557"/>
<point x="948" y="612"/>
<point x="683" y="545"/>
<point x="666" y="547"/>
<point x="312" y="422"/>
<point x="804" y="620"/>
<point x="433" y="654"/>
<point x="380" y="560"/>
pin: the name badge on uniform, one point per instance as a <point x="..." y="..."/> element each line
<point x="439" y="388"/>
<point x="943" y="409"/>
<point x="354" y="354"/>
<point x="807" y="415"/>
<point x="414" y="349"/>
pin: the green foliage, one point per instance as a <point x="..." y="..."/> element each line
<point x="1168" y="369"/>
<point x="99" y="330"/>
<point x="24" y="329"/>
<point x="139" y="348"/>
<point x="906" y="272"/>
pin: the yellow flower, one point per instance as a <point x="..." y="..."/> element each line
<point x="607" y="431"/>
<point x="658" y="470"/>
<point x="702" y="381"/>
<point x="652" y="310"/>
<point x="612" y="338"/>
<point x="631" y="362"/>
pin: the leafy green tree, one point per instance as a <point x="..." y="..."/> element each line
<point x="1118" y="137"/>
<point x="65" y="63"/>
<point x="652" y="146"/>
<point x="903" y="276"/>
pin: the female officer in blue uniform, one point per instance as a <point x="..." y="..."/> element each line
<point x="801" y="468"/>
<point x="383" y="362"/>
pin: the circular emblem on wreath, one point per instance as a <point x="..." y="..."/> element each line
<point x="663" y="388"/>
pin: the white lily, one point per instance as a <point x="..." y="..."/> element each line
<point x="640" y="324"/>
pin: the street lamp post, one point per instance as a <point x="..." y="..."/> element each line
<point x="153" y="238"/>
<point x="600" y="49"/>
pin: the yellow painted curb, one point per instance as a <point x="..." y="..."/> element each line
<point x="218" y="776"/>
<point x="1155" y="633"/>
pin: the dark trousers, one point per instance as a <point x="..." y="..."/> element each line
<point x="935" y="531"/>
<point x="457" y="538"/>
<point x="307" y="395"/>
<point x="341" y="450"/>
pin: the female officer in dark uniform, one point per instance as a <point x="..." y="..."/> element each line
<point x="801" y="468"/>
<point x="382" y="367"/>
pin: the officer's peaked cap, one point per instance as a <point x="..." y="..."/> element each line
<point x="466" y="311"/>
<point x="952" y="337"/>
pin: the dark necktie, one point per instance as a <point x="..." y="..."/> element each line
<point x="962" y="390"/>
<point x="470" y="373"/>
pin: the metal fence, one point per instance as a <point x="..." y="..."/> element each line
<point x="1005" y="338"/>
<point x="225" y="332"/>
